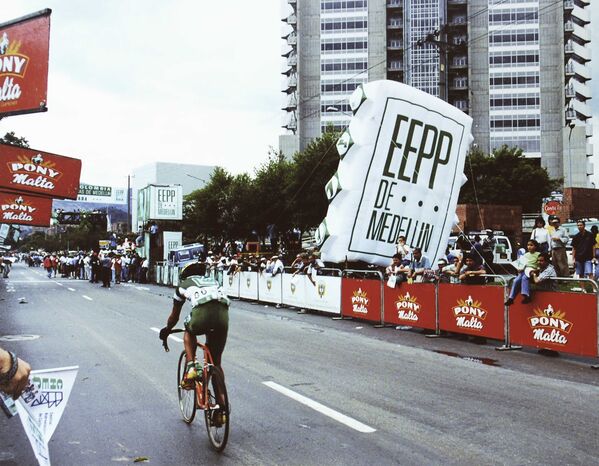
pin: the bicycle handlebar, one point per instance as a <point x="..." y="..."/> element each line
<point x="165" y="340"/>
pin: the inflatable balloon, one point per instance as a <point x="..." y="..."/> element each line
<point x="400" y="172"/>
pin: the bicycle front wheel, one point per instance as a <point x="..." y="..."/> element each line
<point x="187" y="398"/>
<point x="217" y="409"/>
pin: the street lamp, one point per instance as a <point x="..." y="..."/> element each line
<point x="331" y="108"/>
<point x="201" y="179"/>
<point x="571" y="125"/>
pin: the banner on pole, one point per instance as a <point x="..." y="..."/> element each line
<point x="41" y="406"/>
<point x="31" y="171"/>
<point x="24" y="209"/>
<point x="24" y="52"/>
<point x="400" y="173"/>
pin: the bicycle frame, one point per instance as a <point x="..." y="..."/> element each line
<point x="201" y="388"/>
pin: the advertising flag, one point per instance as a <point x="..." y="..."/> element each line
<point x="25" y="209"/>
<point x="400" y="173"/>
<point x="41" y="406"/>
<point x="24" y="51"/>
<point x="33" y="171"/>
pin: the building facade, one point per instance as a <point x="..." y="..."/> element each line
<point x="520" y="68"/>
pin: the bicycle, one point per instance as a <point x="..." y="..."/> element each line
<point x="216" y="415"/>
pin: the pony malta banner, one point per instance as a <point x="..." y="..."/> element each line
<point x="400" y="173"/>
<point x="24" y="51"/>
<point x="33" y="171"/>
<point x="24" y="209"/>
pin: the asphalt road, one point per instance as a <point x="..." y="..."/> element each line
<point x="417" y="406"/>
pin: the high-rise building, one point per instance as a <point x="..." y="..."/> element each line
<point x="520" y="68"/>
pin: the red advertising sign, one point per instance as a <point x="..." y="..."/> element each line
<point x="24" y="50"/>
<point x="552" y="207"/>
<point x="361" y="299"/>
<point x="37" y="172"/>
<point x="24" y="209"/>
<point x="412" y="305"/>
<point x="472" y="309"/>
<point x="565" y="322"/>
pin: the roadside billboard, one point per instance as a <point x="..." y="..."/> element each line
<point x="24" y="209"/>
<point x="101" y="194"/>
<point x="24" y="51"/>
<point x="160" y="202"/>
<point x="32" y="171"/>
<point x="172" y="240"/>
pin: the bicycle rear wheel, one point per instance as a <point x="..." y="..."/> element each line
<point x="217" y="414"/>
<point x="187" y="398"/>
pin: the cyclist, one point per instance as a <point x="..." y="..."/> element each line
<point x="209" y="315"/>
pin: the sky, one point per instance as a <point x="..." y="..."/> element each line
<point x="137" y="81"/>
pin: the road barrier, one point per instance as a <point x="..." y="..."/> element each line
<point x="558" y="320"/>
<point x="362" y="295"/>
<point x="476" y="310"/>
<point x="564" y="321"/>
<point x="411" y="304"/>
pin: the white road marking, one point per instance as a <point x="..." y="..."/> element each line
<point x="172" y="337"/>
<point x="71" y="289"/>
<point x="87" y="297"/>
<point x="142" y="288"/>
<point x="33" y="281"/>
<point x="58" y="283"/>
<point x="315" y="405"/>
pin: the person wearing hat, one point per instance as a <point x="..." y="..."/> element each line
<point x="276" y="265"/>
<point x="559" y="240"/>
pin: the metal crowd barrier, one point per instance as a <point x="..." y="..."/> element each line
<point x="555" y="319"/>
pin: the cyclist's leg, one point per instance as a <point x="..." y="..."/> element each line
<point x="216" y="340"/>
<point x="191" y="343"/>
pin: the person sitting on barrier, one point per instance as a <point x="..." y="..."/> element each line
<point x="525" y="265"/>
<point x="419" y="265"/>
<point x="397" y="269"/>
<point x="542" y="277"/>
<point x="471" y="273"/>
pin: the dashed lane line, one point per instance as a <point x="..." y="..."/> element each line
<point x="71" y="289"/>
<point x="315" y="405"/>
<point x="87" y="297"/>
<point x="172" y="337"/>
<point x="58" y="283"/>
<point x="142" y="288"/>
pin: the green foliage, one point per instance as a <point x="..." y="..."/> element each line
<point x="11" y="138"/>
<point x="286" y="193"/>
<point x="506" y="177"/>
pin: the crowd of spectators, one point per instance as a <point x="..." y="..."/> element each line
<point x="106" y="267"/>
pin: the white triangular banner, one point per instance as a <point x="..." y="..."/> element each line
<point x="42" y="404"/>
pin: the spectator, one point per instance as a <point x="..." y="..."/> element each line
<point x="106" y="270"/>
<point x="419" y="265"/>
<point x="582" y="250"/>
<point x="476" y="252"/>
<point x="277" y="266"/>
<point x="488" y="248"/>
<point x="559" y="240"/>
<point x="396" y="269"/>
<point x="403" y="249"/>
<point x="452" y="270"/>
<point x="595" y="233"/>
<point x="48" y="265"/>
<point x="541" y="235"/>
<point x="472" y="273"/>
<point x="543" y="275"/>
<point x="525" y="265"/>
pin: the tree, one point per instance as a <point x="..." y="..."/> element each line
<point x="11" y="138"/>
<point x="312" y="169"/>
<point x="506" y="177"/>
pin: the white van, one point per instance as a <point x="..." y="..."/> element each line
<point x="186" y="253"/>
<point x="502" y="253"/>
